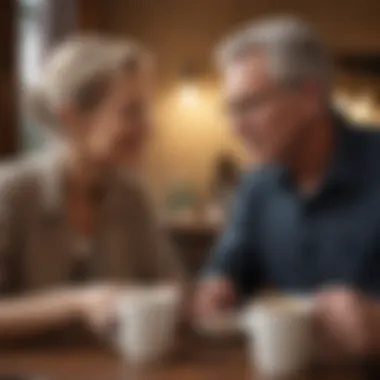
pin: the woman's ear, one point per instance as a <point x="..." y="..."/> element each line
<point x="71" y="119"/>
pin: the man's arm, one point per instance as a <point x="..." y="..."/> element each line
<point x="349" y="316"/>
<point x="349" y="321"/>
<point x="233" y="269"/>
<point x="235" y="254"/>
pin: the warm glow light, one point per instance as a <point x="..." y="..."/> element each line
<point x="363" y="107"/>
<point x="360" y="107"/>
<point x="342" y="101"/>
<point x="189" y="95"/>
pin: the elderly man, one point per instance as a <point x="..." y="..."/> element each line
<point x="308" y="219"/>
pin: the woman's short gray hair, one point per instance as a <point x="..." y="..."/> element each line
<point x="295" y="50"/>
<point x="78" y="72"/>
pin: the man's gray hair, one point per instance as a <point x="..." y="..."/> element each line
<point x="295" y="50"/>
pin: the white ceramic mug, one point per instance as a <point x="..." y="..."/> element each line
<point x="147" y="321"/>
<point x="280" y="335"/>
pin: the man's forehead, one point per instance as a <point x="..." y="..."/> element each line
<point x="250" y="71"/>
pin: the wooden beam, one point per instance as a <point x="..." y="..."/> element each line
<point x="9" y="127"/>
<point x="92" y="15"/>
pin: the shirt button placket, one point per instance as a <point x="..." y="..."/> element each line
<point x="308" y="246"/>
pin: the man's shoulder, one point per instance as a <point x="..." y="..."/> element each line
<point x="364" y="152"/>
<point x="366" y="139"/>
<point x="365" y="133"/>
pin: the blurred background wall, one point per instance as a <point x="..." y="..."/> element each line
<point x="194" y="157"/>
<point x="183" y="34"/>
<point x="192" y="132"/>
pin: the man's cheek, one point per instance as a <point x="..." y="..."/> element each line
<point x="254" y="142"/>
<point x="242" y="131"/>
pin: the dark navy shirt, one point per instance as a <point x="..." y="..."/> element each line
<point x="296" y="243"/>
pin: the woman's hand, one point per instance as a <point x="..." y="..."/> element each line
<point x="97" y="308"/>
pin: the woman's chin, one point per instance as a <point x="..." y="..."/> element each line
<point x="131" y="162"/>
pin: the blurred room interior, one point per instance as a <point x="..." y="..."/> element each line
<point x="194" y="159"/>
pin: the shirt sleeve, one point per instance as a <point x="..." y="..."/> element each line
<point x="10" y="273"/>
<point x="370" y="274"/>
<point x="236" y="253"/>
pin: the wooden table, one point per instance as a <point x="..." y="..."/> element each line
<point x="194" y="360"/>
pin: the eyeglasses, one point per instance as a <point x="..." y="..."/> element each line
<point x="253" y="104"/>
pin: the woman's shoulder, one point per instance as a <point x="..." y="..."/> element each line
<point x="25" y="173"/>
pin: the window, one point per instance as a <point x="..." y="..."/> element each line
<point x="41" y="24"/>
<point x="31" y="42"/>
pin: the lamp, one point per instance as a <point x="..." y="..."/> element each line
<point x="189" y="91"/>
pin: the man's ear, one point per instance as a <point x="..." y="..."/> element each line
<point x="311" y="93"/>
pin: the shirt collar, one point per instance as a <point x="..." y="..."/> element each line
<point x="343" y="170"/>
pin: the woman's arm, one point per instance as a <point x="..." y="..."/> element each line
<point x="22" y="315"/>
<point x="94" y="306"/>
<point x="30" y="315"/>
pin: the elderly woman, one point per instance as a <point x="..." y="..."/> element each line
<point x="76" y="214"/>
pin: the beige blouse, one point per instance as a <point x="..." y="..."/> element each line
<point x="37" y="248"/>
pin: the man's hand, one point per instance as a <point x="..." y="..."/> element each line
<point x="349" y="320"/>
<point x="214" y="295"/>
